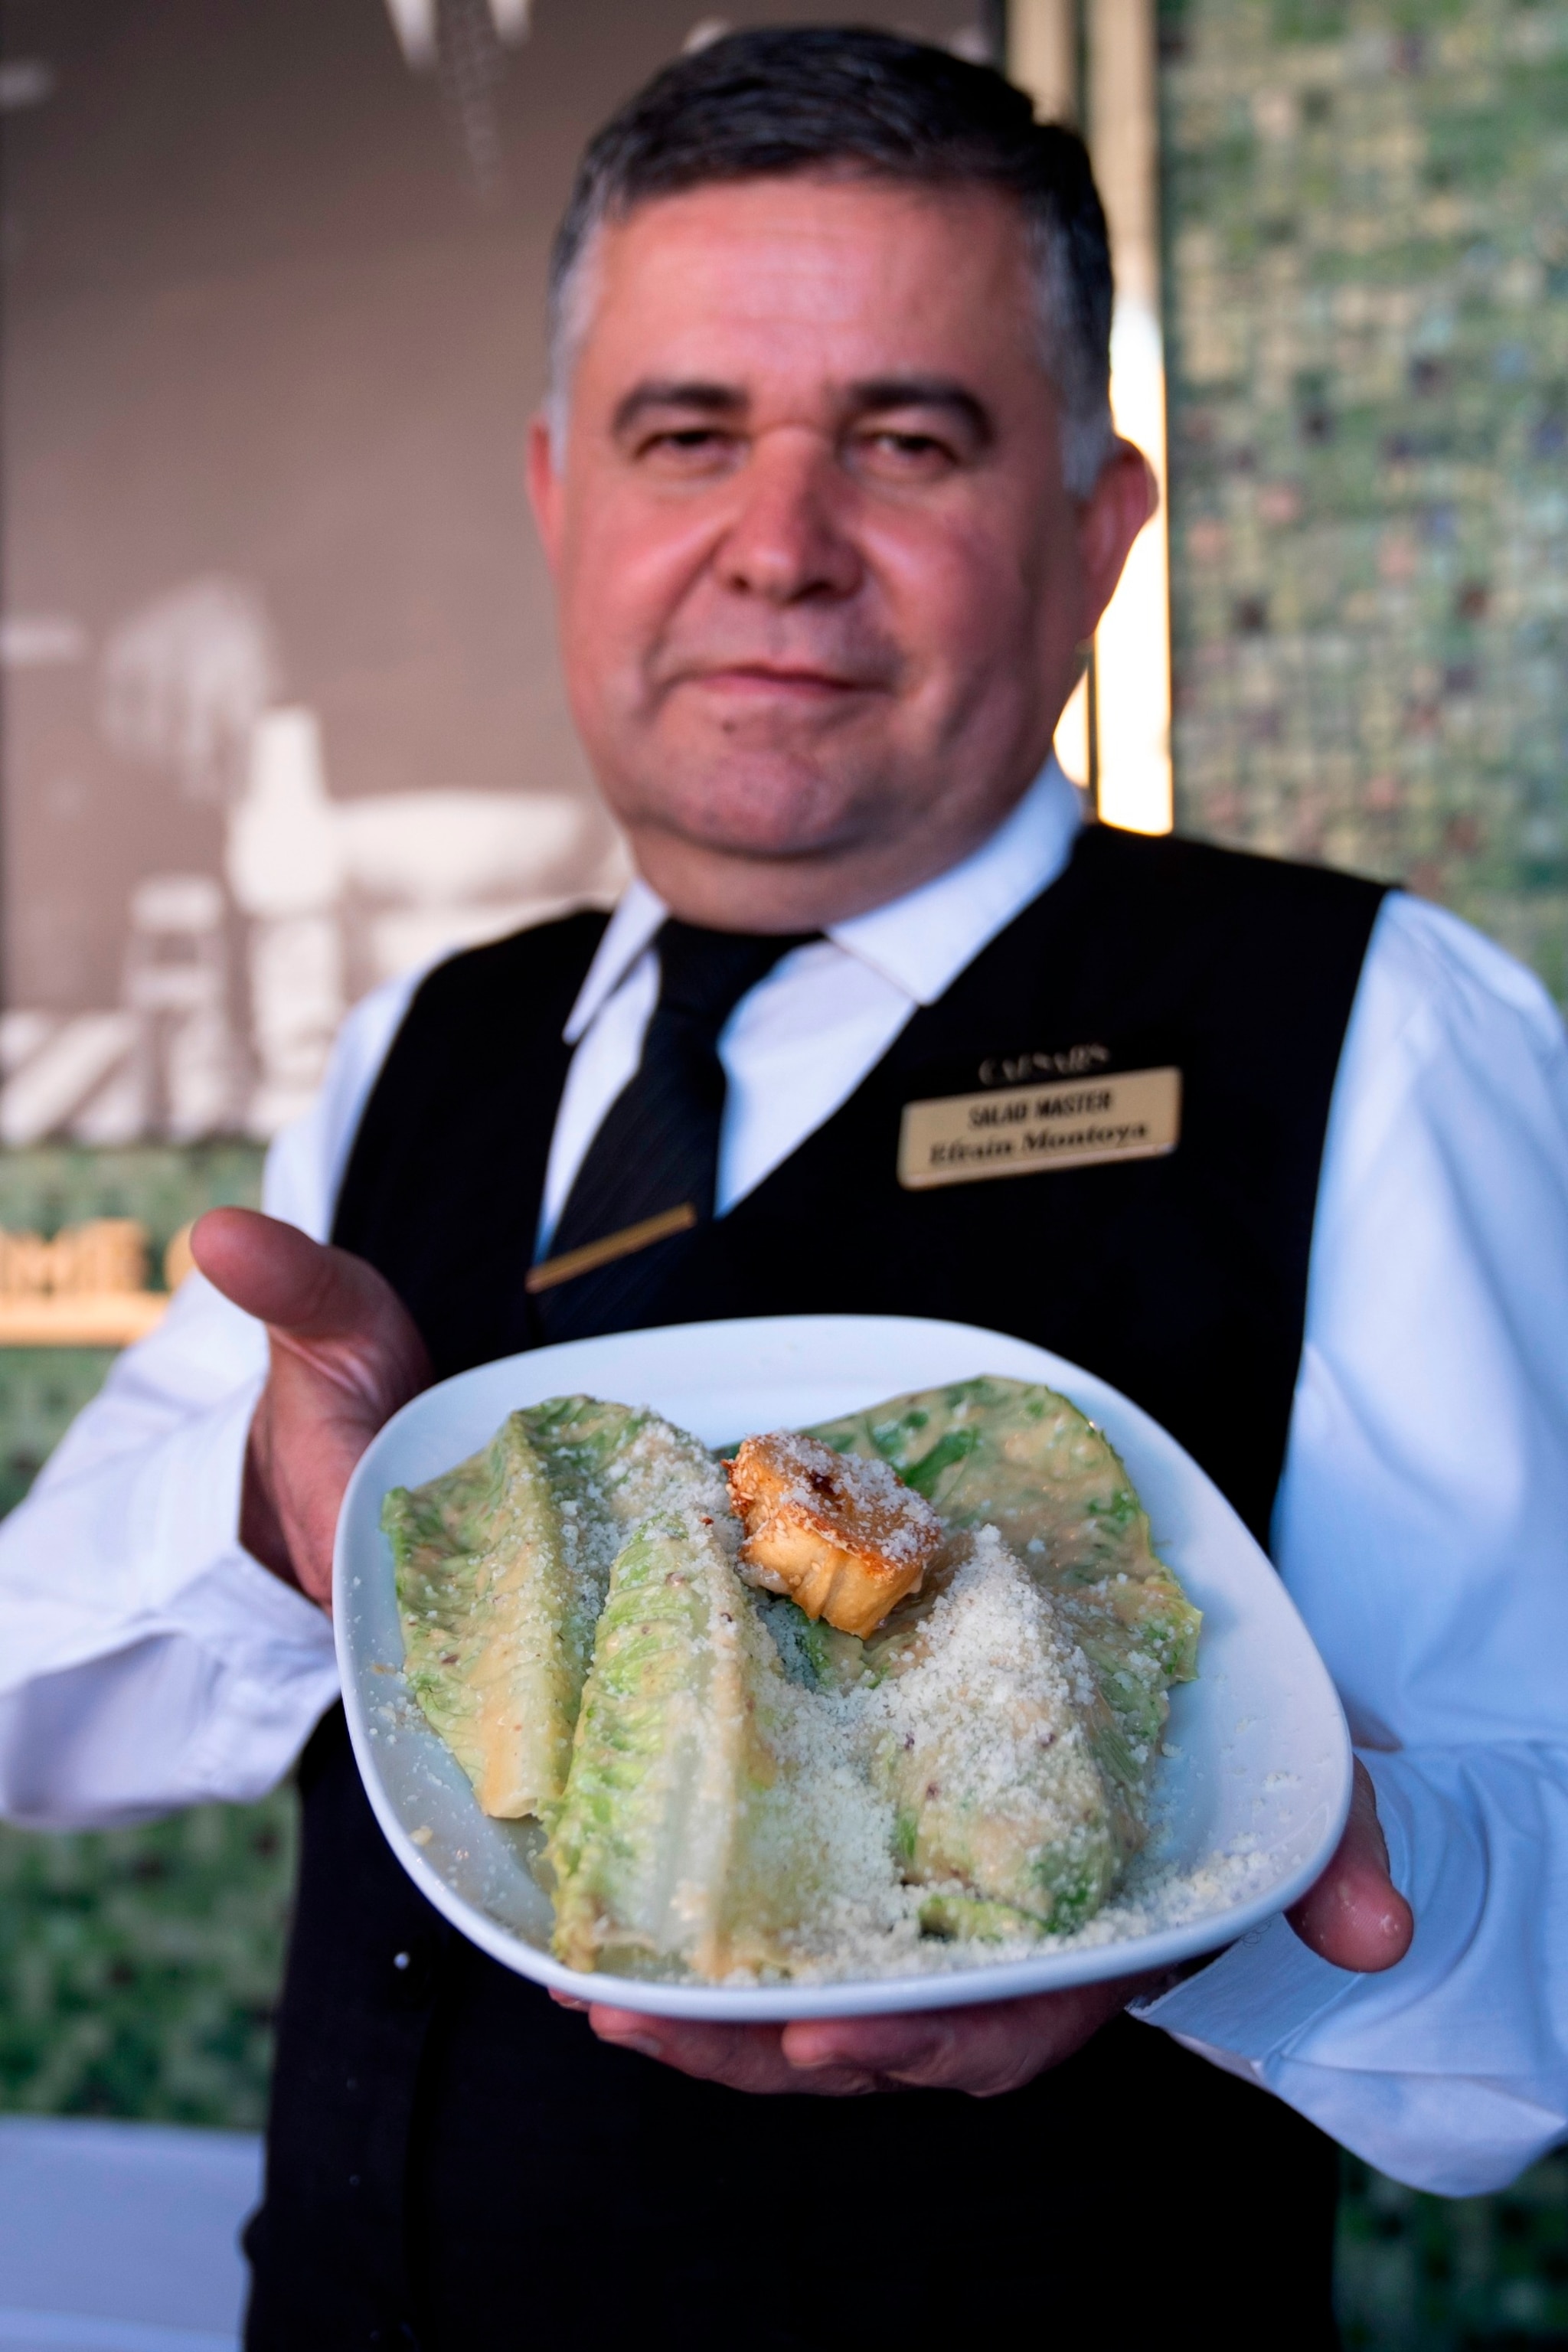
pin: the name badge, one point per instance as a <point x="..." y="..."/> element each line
<point x="1019" y="1131"/>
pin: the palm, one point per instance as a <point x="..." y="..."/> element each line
<point x="344" y="1355"/>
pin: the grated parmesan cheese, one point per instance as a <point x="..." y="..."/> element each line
<point x="754" y="1797"/>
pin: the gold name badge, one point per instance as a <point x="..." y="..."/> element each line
<point x="1018" y="1130"/>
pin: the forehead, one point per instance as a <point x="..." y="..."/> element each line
<point x="838" y="276"/>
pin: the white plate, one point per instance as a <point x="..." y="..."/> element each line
<point x="1262" y="1761"/>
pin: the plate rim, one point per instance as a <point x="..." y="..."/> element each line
<point x="971" y="1985"/>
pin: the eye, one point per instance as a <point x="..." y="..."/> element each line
<point x="891" y="453"/>
<point x="684" y="449"/>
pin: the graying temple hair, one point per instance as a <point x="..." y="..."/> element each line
<point x="758" y="104"/>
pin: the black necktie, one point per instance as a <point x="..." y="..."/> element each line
<point x="655" y="1160"/>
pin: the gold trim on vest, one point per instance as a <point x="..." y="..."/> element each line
<point x="592" y="1255"/>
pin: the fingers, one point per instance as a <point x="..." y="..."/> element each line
<point x="1355" y="1916"/>
<point x="271" y="1270"/>
<point x="345" y="1353"/>
<point x="339" y="1330"/>
<point x="298" y="1466"/>
<point x="996" y="2047"/>
<point x="284" y="1278"/>
<point x="742" y="2057"/>
<point x="984" y="2051"/>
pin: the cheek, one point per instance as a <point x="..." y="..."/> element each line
<point x="963" y="592"/>
<point x="625" y="573"/>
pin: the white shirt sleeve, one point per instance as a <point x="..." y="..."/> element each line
<point x="148" y="1661"/>
<point x="1422" y="1527"/>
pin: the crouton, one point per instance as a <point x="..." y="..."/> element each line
<point x="843" y="1538"/>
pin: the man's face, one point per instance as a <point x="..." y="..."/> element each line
<point x="820" y="584"/>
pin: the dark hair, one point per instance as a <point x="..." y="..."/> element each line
<point x="798" y="99"/>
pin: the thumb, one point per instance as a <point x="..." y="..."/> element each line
<point x="335" y="1324"/>
<point x="287" y="1280"/>
<point x="345" y="1353"/>
<point x="1355" y="1916"/>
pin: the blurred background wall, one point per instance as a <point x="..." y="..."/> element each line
<point x="1366" y="220"/>
<point x="280" y="714"/>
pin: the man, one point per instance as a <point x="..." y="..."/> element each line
<point x="829" y="487"/>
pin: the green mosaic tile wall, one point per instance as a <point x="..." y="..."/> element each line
<point x="43" y="1388"/>
<point x="138" y="1969"/>
<point x="1366" y="221"/>
<point x="1365" y="213"/>
<point x="1421" y="2274"/>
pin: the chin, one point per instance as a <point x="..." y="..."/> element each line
<point x="752" y="808"/>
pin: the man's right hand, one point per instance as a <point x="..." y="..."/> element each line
<point x="345" y="1355"/>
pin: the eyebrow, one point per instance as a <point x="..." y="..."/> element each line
<point x="873" y="397"/>
<point x="710" y="399"/>
<point x="880" y="394"/>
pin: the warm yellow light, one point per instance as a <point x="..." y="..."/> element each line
<point x="1072" y="734"/>
<point x="1042" y="55"/>
<point x="1133" y="644"/>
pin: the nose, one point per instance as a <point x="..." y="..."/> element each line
<point x="789" y="541"/>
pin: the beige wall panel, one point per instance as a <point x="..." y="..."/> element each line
<point x="1042" y="55"/>
<point x="273" y="311"/>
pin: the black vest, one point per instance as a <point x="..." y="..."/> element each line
<point x="454" y="2161"/>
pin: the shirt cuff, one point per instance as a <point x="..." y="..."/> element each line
<point x="1258" y="1995"/>
<point x="1266" y="1989"/>
<point x="1444" y="2072"/>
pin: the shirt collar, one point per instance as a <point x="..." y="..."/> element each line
<point x="925" y="939"/>
<point x="626" y="935"/>
<point x="920" y="941"/>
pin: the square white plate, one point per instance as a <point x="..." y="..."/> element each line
<point x="1261" y="1762"/>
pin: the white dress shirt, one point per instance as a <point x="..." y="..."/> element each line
<point x="1421" y="1526"/>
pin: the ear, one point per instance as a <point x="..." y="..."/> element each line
<point x="546" y="491"/>
<point x="1124" y="499"/>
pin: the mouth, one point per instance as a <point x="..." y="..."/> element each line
<point x="776" y="681"/>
